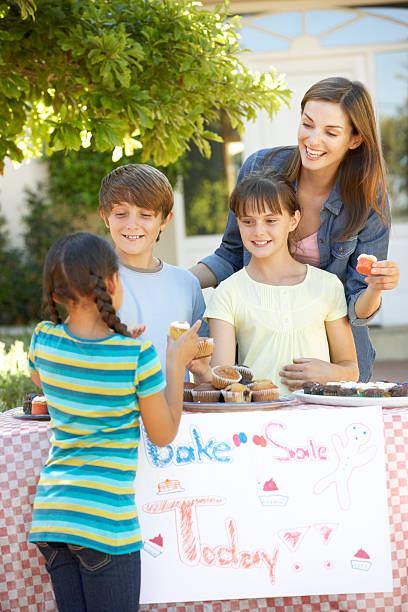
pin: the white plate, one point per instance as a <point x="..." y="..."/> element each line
<point x="331" y="400"/>
<point x="237" y="406"/>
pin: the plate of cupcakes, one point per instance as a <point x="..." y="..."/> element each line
<point x="233" y="388"/>
<point x="386" y="394"/>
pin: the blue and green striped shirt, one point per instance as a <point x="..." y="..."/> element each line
<point x="86" y="493"/>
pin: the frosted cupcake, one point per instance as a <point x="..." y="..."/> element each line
<point x="222" y="376"/>
<point x="264" y="391"/>
<point x="178" y="328"/>
<point x="39" y="405"/>
<point x="237" y="393"/>
<point x="361" y="561"/>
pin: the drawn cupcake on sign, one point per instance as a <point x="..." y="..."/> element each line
<point x="154" y="546"/>
<point x="169" y="486"/>
<point x="361" y="560"/>
<point x="270" y="495"/>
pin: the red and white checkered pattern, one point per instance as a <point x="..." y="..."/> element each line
<point x="24" y="583"/>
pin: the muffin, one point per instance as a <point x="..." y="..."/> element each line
<point x="205" y="348"/>
<point x="39" y="405"/>
<point x="188" y="386"/>
<point x="178" y="328"/>
<point x="237" y="392"/>
<point x="222" y="376"/>
<point x="205" y="393"/>
<point x="246" y="374"/>
<point x="264" y="390"/>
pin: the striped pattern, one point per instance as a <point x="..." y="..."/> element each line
<point x="85" y="494"/>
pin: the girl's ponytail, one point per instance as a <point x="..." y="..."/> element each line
<point x="104" y="303"/>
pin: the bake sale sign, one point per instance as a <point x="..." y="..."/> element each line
<point x="262" y="504"/>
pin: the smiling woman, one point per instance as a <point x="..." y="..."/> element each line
<point x="338" y="172"/>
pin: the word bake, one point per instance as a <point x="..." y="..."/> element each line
<point x="193" y="552"/>
<point x="197" y="450"/>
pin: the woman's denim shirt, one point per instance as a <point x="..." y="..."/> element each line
<point x="335" y="256"/>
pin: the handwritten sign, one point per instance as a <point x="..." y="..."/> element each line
<point x="264" y="504"/>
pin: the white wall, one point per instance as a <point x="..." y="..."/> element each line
<point x="12" y="185"/>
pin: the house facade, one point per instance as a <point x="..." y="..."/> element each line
<point x="307" y="40"/>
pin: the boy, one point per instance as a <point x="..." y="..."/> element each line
<point x="135" y="203"/>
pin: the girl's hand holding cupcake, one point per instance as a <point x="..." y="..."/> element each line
<point x="183" y="350"/>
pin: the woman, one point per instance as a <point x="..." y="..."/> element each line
<point x="338" y="172"/>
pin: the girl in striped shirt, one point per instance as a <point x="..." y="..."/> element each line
<point x="98" y="382"/>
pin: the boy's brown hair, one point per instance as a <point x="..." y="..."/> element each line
<point x="137" y="184"/>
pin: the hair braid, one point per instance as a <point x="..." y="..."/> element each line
<point x="104" y="303"/>
<point x="52" y="309"/>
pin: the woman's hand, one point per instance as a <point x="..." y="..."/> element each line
<point x="183" y="350"/>
<point x="201" y="370"/>
<point x="384" y="276"/>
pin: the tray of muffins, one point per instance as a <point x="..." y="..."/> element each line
<point x="34" y="408"/>
<point x="233" y="388"/>
<point x="383" y="393"/>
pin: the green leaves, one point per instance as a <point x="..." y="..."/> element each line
<point x="160" y="71"/>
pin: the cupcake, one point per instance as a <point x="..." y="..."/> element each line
<point x="237" y="392"/>
<point x="205" y="348"/>
<point x="309" y="387"/>
<point x="364" y="263"/>
<point x="205" y="393"/>
<point x="178" y="328"/>
<point x="373" y="392"/>
<point x="222" y="376"/>
<point x="331" y="388"/>
<point x="398" y="390"/>
<point x="188" y="386"/>
<point x="246" y="374"/>
<point x="264" y="390"/>
<point x="347" y="391"/>
<point x="39" y="405"/>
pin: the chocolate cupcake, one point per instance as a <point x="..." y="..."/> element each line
<point x="373" y="392"/>
<point x="347" y="392"/>
<point x="399" y="390"/>
<point x="330" y="389"/>
<point x="310" y="387"/>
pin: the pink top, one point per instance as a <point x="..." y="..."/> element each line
<point x="307" y="251"/>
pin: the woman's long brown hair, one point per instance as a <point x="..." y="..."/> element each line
<point x="362" y="172"/>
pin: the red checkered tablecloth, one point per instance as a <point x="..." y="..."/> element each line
<point x="24" y="583"/>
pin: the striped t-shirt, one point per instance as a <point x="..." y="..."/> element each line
<point x="85" y="494"/>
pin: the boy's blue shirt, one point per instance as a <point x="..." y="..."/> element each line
<point x="156" y="298"/>
<point x="337" y="257"/>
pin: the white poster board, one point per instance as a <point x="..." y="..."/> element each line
<point x="264" y="504"/>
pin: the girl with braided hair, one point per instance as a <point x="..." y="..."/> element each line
<point x="98" y="381"/>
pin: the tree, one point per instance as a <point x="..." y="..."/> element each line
<point x="121" y="75"/>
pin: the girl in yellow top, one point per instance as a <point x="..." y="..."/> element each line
<point x="280" y="312"/>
